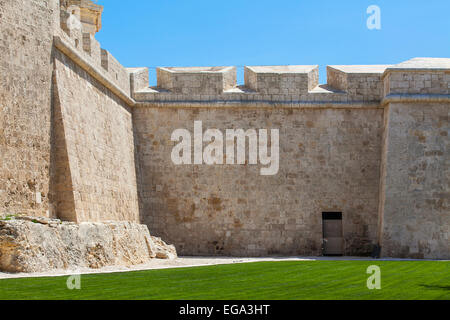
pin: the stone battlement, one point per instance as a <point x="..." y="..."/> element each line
<point x="84" y="139"/>
<point x="79" y="21"/>
<point x="295" y="84"/>
<point x="197" y="80"/>
<point x="282" y="79"/>
<point x="346" y="84"/>
<point x="90" y="14"/>
<point x="363" y="82"/>
<point x="430" y="76"/>
<point x="264" y="83"/>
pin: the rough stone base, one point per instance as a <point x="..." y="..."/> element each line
<point x="39" y="245"/>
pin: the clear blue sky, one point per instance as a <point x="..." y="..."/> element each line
<point x="149" y="33"/>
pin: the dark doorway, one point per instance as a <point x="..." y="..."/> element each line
<point x="333" y="241"/>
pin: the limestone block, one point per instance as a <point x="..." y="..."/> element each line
<point x="118" y="74"/>
<point x="71" y="24"/>
<point x="39" y="245"/>
<point x="139" y="78"/>
<point x="92" y="47"/>
<point x="197" y="80"/>
<point x="282" y="79"/>
<point x="363" y="82"/>
<point x="90" y="14"/>
<point x="419" y="76"/>
<point x="162" y="250"/>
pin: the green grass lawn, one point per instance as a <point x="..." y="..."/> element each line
<point x="259" y="281"/>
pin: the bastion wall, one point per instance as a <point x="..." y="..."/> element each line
<point x="84" y="139"/>
<point x="330" y="153"/>
<point x="329" y="161"/>
<point x="415" y="180"/>
<point x="26" y="46"/>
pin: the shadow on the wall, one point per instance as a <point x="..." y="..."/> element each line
<point x="62" y="202"/>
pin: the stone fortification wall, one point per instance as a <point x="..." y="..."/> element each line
<point x="84" y="139"/>
<point x="414" y="202"/>
<point x="26" y="42"/>
<point x="94" y="173"/>
<point x="330" y="153"/>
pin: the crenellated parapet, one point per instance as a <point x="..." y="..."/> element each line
<point x="362" y="82"/>
<point x="366" y="84"/>
<point x="413" y="217"/>
<point x="286" y="80"/>
<point x="429" y="76"/>
<point x="90" y="14"/>
<point x="80" y="20"/>
<point x="292" y="84"/>
<point x="197" y="80"/>
<point x="139" y="79"/>
<point x="113" y="67"/>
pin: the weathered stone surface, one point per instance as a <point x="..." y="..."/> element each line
<point x="90" y="14"/>
<point x="415" y="219"/>
<point x="329" y="161"/>
<point x="163" y="251"/>
<point x="80" y="147"/>
<point x="93" y="149"/>
<point x="361" y="82"/>
<point x="41" y="245"/>
<point x="197" y="80"/>
<point x="282" y="80"/>
<point x="26" y="33"/>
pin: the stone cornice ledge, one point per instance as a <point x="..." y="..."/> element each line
<point x="93" y="71"/>
<point x="416" y="98"/>
<point x="259" y="104"/>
